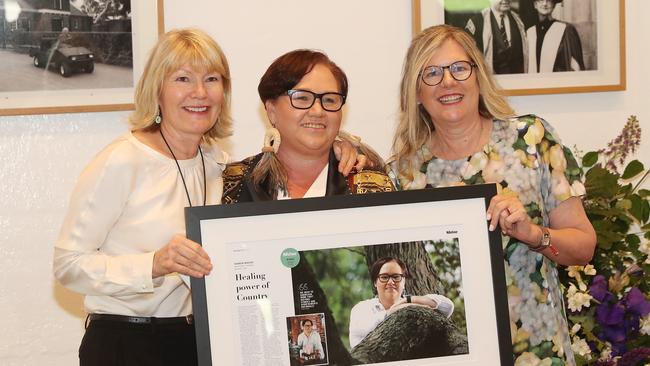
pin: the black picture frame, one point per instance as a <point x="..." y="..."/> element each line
<point x="374" y="216"/>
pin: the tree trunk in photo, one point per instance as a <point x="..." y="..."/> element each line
<point x="412" y="332"/>
<point x="308" y="290"/>
<point x="423" y="276"/>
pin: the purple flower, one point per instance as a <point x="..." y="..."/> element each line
<point x="605" y="363"/>
<point x="636" y="302"/>
<point x="609" y="362"/>
<point x="599" y="290"/>
<point x="610" y="314"/>
<point x="634" y="356"/>
<point x="611" y="318"/>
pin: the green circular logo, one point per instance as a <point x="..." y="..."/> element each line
<point x="290" y="257"/>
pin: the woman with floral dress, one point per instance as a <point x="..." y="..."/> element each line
<point x="454" y="129"/>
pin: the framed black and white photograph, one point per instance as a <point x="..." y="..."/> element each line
<point x="333" y="261"/>
<point x="540" y="46"/>
<point x="68" y="56"/>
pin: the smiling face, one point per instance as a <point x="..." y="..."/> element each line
<point x="307" y="327"/>
<point x="451" y="101"/>
<point x="544" y="7"/>
<point x="500" y="5"/>
<point x="389" y="292"/>
<point x="190" y="102"/>
<point x="306" y="132"/>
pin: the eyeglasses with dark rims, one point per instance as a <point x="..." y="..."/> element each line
<point x="459" y="70"/>
<point x="305" y="99"/>
<point x="383" y="278"/>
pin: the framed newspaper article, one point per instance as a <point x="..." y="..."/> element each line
<point x="540" y="47"/>
<point x="307" y="282"/>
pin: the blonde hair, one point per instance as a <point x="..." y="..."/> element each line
<point x="173" y="50"/>
<point x="415" y="126"/>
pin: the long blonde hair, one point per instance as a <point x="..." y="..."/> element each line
<point x="415" y="127"/>
<point x="173" y="50"/>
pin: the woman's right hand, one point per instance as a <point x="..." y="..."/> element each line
<point x="183" y="256"/>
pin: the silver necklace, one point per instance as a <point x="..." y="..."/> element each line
<point x="181" y="173"/>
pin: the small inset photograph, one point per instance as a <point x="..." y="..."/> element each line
<point x="307" y="339"/>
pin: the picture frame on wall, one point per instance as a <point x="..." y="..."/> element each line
<point x="541" y="47"/>
<point x="284" y="263"/>
<point x="74" y="56"/>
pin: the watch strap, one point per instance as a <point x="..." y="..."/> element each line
<point x="545" y="242"/>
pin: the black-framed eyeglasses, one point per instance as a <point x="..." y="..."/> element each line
<point x="305" y="99"/>
<point x="383" y="278"/>
<point x="459" y="70"/>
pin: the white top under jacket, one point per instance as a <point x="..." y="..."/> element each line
<point x="129" y="202"/>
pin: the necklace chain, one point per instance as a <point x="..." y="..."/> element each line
<point x="187" y="193"/>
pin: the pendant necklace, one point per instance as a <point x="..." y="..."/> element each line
<point x="181" y="173"/>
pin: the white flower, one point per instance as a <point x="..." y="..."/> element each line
<point x="645" y="249"/>
<point x="590" y="270"/>
<point x="578" y="189"/>
<point x="419" y="181"/>
<point x="574" y="271"/>
<point x="644" y="325"/>
<point x="577" y="299"/>
<point x="521" y="125"/>
<point x="581" y="347"/>
<point x="576" y="328"/>
<point x="475" y="164"/>
<point x="493" y="171"/>
<point x="606" y="353"/>
<point x="527" y="359"/>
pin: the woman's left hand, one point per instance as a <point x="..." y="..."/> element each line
<point x="509" y="213"/>
<point x="348" y="157"/>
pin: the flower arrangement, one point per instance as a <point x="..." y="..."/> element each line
<point x="607" y="300"/>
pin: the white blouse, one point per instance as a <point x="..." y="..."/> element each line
<point x="317" y="189"/>
<point x="129" y="202"/>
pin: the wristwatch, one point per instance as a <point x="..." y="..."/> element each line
<point x="545" y="242"/>
<point x="408" y="299"/>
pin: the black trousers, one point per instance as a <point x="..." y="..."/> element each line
<point x="110" y="343"/>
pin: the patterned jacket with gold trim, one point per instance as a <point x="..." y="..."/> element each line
<point x="238" y="187"/>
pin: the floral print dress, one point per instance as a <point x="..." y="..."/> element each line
<point x="525" y="157"/>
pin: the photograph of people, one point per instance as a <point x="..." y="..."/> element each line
<point x="307" y="339"/>
<point x="122" y="243"/>
<point x="501" y="35"/>
<point x="388" y="275"/>
<point x="309" y="342"/>
<point x="456" y="128"/>
<point x="303" y="92"/>
<point x="553" y="45"/>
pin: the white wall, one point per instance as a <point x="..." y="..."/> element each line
<point x="41" y="156"/>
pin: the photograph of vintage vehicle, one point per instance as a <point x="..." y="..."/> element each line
<point x="89" y="43"/>
<point x="63" y="57"/>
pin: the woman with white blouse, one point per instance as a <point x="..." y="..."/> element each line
<point x="388" y="275"/>
<point x="123" y="242"/>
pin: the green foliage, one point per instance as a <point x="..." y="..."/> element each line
<point x="619" y="212"/>
<point x="343" y="275"/>
<point x="445" y="257"/>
